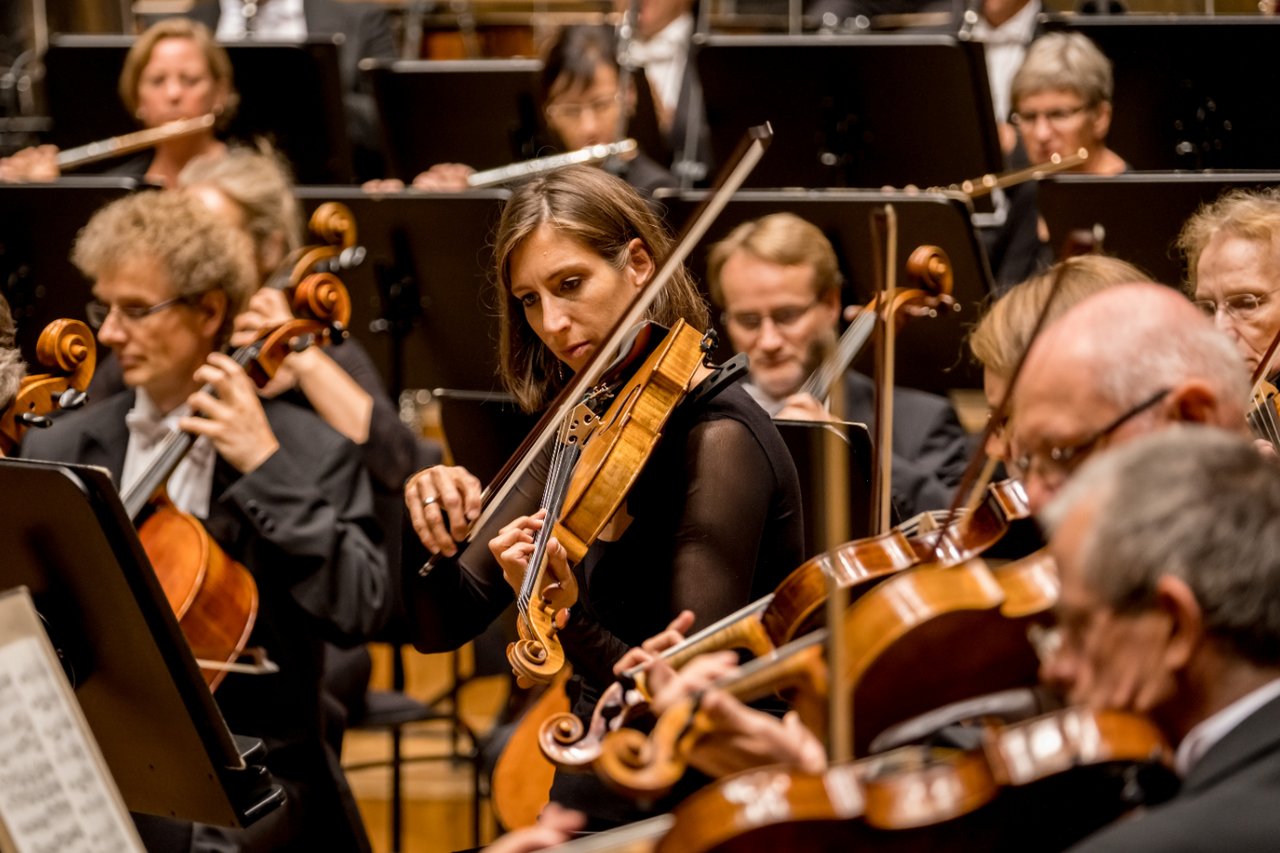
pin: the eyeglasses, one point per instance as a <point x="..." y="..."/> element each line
<point x="574" y="111"/>
<point x="1056" y="465"/>
<point x="97" y="311"/>
<point x="751" y="321"/>
<point x="1057" y="119"/>
<point x="1238" y="305"/>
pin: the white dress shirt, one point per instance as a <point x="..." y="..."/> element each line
<point x="664" y="58"/>
<point x="271" y="20"/>
<point x="1208" y="732"/>
<point x="1005" y="47"/>
<point x="191" y="484"/>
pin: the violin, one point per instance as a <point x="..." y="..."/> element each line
<point x="214" y="597"/>
<point x="903" y="792"/>
<point x="68" y="348"/>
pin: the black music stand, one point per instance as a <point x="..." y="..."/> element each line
<point x="422" y="302"/>
<point x="1190" y="92"/>
<point x="69" y="541"/>
<point x="1138" y="215"/>
<point x="290" y="93"/>
<point x="807" y="442"/>
<point x="855" y="111"/>
<point x="932" y="354"/>
<point x="482" y="112"/>
<point x="38" y="225"/>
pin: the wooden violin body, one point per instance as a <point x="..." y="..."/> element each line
<point x="67" y="347"/>
<point x="611" y="460"/>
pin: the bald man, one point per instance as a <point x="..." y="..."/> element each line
<point x="1122" y="363"/>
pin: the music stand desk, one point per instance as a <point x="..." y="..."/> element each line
<point x="71" y="544"/>
<point x="1139" y="213"/>
<point x="931" y="350"/>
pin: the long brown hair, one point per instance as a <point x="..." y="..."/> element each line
<point x="604" y="214"/>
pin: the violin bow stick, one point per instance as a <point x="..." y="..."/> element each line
<point x="980" y="467"/>
<point x="750" y="150"/>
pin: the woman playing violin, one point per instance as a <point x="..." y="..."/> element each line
<point x="713" y="519"/>
<point x="174" y="70"/>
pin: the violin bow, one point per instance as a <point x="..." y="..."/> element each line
<point x="750" y="150"/>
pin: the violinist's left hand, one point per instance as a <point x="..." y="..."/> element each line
<point x="555" y="826"/>
<point x="233" y="420"/>
<point x="512" y="548"/>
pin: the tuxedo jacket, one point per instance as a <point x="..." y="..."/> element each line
<point x="302" y="523"/>
<point x="930" y="447"/>
<point x="1230" y="801"/>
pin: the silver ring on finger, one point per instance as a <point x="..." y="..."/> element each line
<point x="429" y="501"/>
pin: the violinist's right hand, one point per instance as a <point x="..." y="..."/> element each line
<point x="438" y="492"/>
<point x="803" y="407"/>
<point x="444" y="178"/>
<point x="31" y="164"/>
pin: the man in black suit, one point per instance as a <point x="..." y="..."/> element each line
<point x="779" y="285"/>
<point x="1166" y="552"/>
<point x="275" y="487"/>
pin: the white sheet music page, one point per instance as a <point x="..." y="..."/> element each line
<point x="56" y="794"/>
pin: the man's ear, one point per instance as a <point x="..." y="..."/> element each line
<point x="1186" y="621"/>
<point x="213" y="307"/>
<point x="1192" y="402"/>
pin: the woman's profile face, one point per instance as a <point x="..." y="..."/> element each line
<point x="571" y="297"/>
<point x="177" y="83"/>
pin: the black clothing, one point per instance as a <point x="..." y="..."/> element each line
<point x="716" y="523"/>
<point x="1227" y="802"/>
<point x="645" y="175"/>
<point x="303" y="524"/>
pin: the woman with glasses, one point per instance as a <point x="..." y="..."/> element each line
<point x="584" y="103"/>
<point x="713" y="518"/>
<point x="174" y="70"/>
<point x="1233" y="269"/>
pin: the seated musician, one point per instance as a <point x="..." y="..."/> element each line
<point x="583" y="103"/>
<point x="1165" y="550"/>
<point x="280" y="491"/>
<point x="1061" y="98"/>
<point x="779" y="285"/>
<point x="713" y="520"/>
<point x="174" y="70"/>
<point x="1124" y="362"/>
<point x="1000" y="339"/>
<point x="1232" y="247"/>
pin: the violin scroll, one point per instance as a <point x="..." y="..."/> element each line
<point x="324" y="297"/>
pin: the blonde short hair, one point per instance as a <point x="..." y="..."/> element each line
<point x="1004" y="332"/>
<point x="779" y="238"/>
<point x="1064" y="61"/>
<point x="197" y="251"/>
<point x="1250" y="214"/>
<point x="178" y="28"/>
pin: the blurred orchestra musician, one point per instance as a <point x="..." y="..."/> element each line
<point x="1130" y="360"/>
<point x="12" y="368"/>
<point x="584" y="103"/>
<point x="1000" y="339"/>
<point x="778" y="284"/>
<point x="1232" y="248"/>
<point x="174" y="70"/>
<point x="1061" y="102"/>
<point x="712" y="520"/>
<point x="280" y="491"/>
<point x="1167" y="607"/>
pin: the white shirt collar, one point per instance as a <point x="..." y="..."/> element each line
<point x="1018" y="29"/>
<point x="1208" y="732"/>
<point x="191" y="484"/>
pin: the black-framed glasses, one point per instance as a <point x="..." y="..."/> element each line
<point x="1056" y="464"/>
<point x="97" y="311"/>
<point x="751" y="321"/>
<point x="1057" y="118"/>
<point x="1238" y="305"/>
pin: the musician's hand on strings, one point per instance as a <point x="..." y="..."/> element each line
<point x="657" y="644"/>
<point x="444" y="178"/>
<point x="803" y="407"/>
<point x="439" y="493"/>
<point x="31" y="164"/>
<point x="742" y="738"/>
<point x="555" y="826"/>
<point x="233" y="419"/>
<point x="512" y="548"/>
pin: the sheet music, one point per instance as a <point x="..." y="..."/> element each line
<point x="56" y="795"/>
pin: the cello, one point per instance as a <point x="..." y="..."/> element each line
<point x="68" y="348"/>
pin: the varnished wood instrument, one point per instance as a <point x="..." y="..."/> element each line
<point x="68" y="348"/>
<point x="116" y="146"/>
